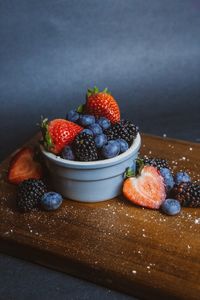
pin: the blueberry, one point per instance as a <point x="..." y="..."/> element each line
<point x="123" y="145"/>
<point x="100" y="140"/>
<point x="86" y="120"/>
<point x="104" y="123"/>
<point x="96" y="129"/>
<point x="168" y="178"/>
<point x="67" y="153"/>
<point x="171" y="207"/>
<point x="111" y="149"/>
<point x="51" y="201"/>
<point x="72" y="116"/>
<point x="88" y="131"/>
<point x="182" y="177"/>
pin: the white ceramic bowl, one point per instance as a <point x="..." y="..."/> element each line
<point x="91" y="181"/>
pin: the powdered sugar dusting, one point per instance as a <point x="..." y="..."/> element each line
<point x="197" y="221"/>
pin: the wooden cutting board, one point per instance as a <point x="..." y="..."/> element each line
<point x="113" y="243"/>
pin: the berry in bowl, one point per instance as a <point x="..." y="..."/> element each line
<point x="88" y="153"/>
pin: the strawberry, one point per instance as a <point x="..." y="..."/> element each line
<point x="58" y="133"/>
<point x="147" y="189"/>
<point x="102" y="104"/>
<point x="23" y="166"/>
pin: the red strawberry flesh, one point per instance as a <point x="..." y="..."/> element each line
<point x="23" y="166"/>
<point x="147" y="190"/>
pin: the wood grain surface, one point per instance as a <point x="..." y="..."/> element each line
<point x="113" y="243"/>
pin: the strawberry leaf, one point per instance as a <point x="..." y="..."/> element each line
<point x="45" y="133"/>
<point x="48" y="141"/>
<point x="89" y="92"/>
<point x="139" y="165"/>
<point x="129" y="173"/>
<point x="105" y="91"/>
<point x="95" y="90"/>
<point x="80" y="109"/>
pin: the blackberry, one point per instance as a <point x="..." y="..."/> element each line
<point x="84" y="147"/>
<point x="155" y="162"/>
<point x="187" y="193"/>
<point x="29" y="194"/>
<point x="123" y="130"/>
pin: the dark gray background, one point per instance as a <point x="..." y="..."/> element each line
<point x="146" y="52"/>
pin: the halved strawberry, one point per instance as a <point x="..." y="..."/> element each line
<point x="102" y="104"/>
<point x="147" y="189"/>
<point x="58" y="133"/>
<point x="23" y="166"/>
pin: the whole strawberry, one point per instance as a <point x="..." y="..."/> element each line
<point x="58" y="133"/>
<point x="102" y="104"/>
